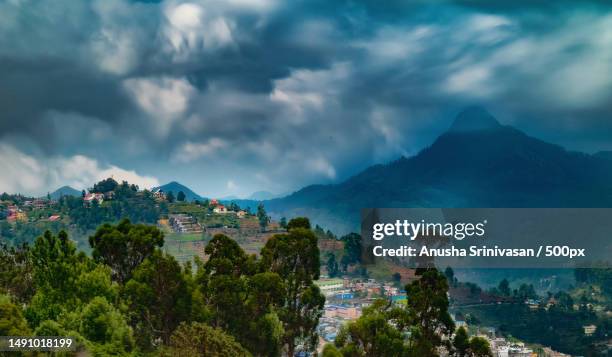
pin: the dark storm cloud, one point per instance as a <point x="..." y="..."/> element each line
<point x="240" y="95"/>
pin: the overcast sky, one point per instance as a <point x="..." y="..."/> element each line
<point x="234" y="96"/>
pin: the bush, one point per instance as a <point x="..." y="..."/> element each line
<point x="198" y="339"/>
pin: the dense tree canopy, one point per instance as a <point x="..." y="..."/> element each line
<point x="298" y="222"/>
<point x="103" y="186"/>
<point x="124" y="246"/>
<point x="12" y="322"/>
<point x="242" y="300"/>
<point x="201" y="340"/>
<point x="132" y="298"/>
<point x="158" y="297"/>
<point x="16" y="272"/>
<point x="377" y="333"/>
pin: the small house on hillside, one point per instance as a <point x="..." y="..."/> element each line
<point x="221" y="209"/>
<point x="16" y="214"/>
<point x="159" y="195"/>
<point x="90" y="197"/>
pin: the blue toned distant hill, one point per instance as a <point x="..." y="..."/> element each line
<point x="262" y="195"/>
<point x="64" y="191"/>
<point x="176" y="187"/>
<point x="476" y="163"/>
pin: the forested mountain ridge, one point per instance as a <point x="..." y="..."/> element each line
<point x="476" y="163"/>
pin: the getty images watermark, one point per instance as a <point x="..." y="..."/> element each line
<point x="488" y="237"/>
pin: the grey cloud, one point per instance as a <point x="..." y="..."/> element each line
<point x="271" y="95"/>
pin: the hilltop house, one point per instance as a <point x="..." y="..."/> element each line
<point x="221" y="209"/>
<point x="159" y="195"/>
<point x="90" y="197"/>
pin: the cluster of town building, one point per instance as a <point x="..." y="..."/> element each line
<point x="19" y="212"/>
<point x="14" y="213"/>
<point x="346" y="298"/>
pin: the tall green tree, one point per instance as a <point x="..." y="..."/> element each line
<point x="241" y="301"/>
<point x="332" y="265"/>
<point x="180" y="196"/>
<point x="224" y="281"/>
<point x="262" y="216"/>
<point x="56" y="268"/>
<point x="295" y="258"/>
<point x="105" y="327"/>
<point x="263" y="333"/>
<point x="504" y="288"/>
<point x="103" y="186"/>
<point x="95" y="281"/>
<point x="526" y="291"/>
<point x="65" y="282"/>
<point x="54" y="260"/>
<point x="158" y="298"/>
<point x="474" y="347"/>
<point x="461" y="342"/>
<point x="352" y="250"/>
<point x="428" y="309"/>
<point x="298" y="222"/>
<point x="124" y="246"/>
<point x="170" y="197"/>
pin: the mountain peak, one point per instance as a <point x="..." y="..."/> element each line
<point x="176" y="187"/>
<point x="474" y="118"/>
<point x="64" y="191"/>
